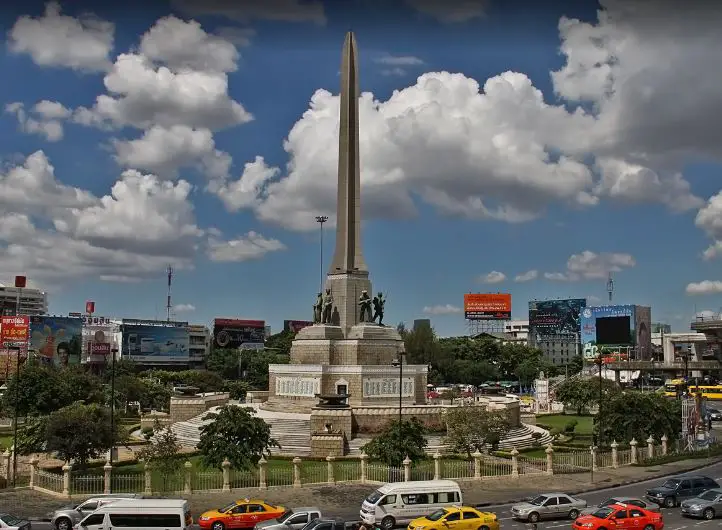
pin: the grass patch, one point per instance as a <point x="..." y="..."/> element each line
<point x="585" y="424"/>
<point x="6" y="441"/>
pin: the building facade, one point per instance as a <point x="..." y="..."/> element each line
<point x="32" y="301"/>
<point x="517" y="331"/>
<point x="555" y="329"/>
<point x="199" y="343"/>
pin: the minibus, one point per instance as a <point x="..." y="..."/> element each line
<point x="140" y="514"/>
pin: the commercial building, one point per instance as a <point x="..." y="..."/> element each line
<point x="517" y="331"/>
<point x="554" y="328"/>
<point x="199" y="343"/>
<point x="32" y="301"/>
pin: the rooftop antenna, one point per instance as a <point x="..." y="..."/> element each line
<point x="170" y="282"/>
<point x="610" y="287"/>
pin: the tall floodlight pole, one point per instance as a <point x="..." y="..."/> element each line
<point x="321" y="219"/>
<point x="114" y="352"/>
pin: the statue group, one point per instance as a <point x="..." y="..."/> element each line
<point x="323" y="308"/>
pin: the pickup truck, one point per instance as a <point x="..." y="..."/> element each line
<point x="292" y="519"/>
<point x="330" y="523"/>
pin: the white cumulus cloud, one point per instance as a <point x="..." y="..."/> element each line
<point x="704" y="287"/>
<point x="527" y="276"/>
<point x="446" y="309"/>
<point x="493" y="277"/>
<point x="589" y="265"/>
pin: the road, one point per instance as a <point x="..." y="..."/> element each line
<point x="672" y="518"/>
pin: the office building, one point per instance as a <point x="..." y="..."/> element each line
<point x="199" y="343"/>
<point x="32" y="301"/>
<point x="517" y="331"/>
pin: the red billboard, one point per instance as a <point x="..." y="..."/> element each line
<point x="296" y="325"/>
<point x="14" y="331"/>
<point x="233" y="332"/>
<point x="487" y="306"/>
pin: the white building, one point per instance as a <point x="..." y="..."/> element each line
<point x="199" y="343"/>
<point x="32" y="301"/>
<point x="517" y="330"/>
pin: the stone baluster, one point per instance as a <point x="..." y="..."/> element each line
<point x="437" y="465"/>
<point x="615" y="454"/>
<point x="650" y="447"/>
<point x="330" y="462"/>
<point x="515" y="463"/>
<point x="148" y="479"/>
<point x="67" y="470"/>
<point x="364" y="466"/>
<point x="107" y="470"/>
<point x="550" y="459"/>
<point x="33" y="472"/>
<point x="593" y="452"/>
<point x="262" y="482"/>
<point x="665" y="446"/>
<point x="477" y="464"/>
<point x="226" y="467"/>
<point x="187" y="483"/>
<point x="296" y="472"/>
<point x="6" y="463"/>
<point x="633" y="447"/>
<point x="407" y="469"/>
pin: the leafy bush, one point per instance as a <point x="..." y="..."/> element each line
<point x="570" y="426"/>
<point x="147" y="432"/>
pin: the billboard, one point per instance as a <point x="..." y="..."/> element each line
<point x="296" y="325"/>
<point x="622" y="331"/>
<point x="551" y="318"/>
<point x="14" y="331"/>
<point x="56" y="340"/>
<point x="232" y="332"/>
<point x="154" y="342"/>
<point x="487" y="306"/>
<point x="98" y="339"/>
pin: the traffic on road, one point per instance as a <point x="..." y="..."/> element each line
<point x="688" y="501"/>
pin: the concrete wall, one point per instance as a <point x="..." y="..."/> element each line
<point x="186" y="407"/>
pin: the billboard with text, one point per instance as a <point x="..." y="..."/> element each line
<point x="155" y="342"/>
<point x="233" y="332"/>
<point x="610" y="325"/>
<point x="487" y="306"/>
<point x="56" y="340"/>
<point x="555" y="318"/>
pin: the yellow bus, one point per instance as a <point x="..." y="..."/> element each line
<point x="708" y="391"/>
<point x="674" y="388"/>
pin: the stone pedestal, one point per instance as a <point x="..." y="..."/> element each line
<point x="337" y="421"/>
<point x="327" y="444"/>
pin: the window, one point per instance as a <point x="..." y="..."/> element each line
<point x="96" y="518"/>
<point x="255" y="508"/>
<point x="444" y="497"/>
<point x="389" y="499"/>
<point x="636" y="513"/>
<point x="551" y="501"/>
<point x="456" y="516"/>
<point x="564" y="500"/>
<point x="298" y="519"/>
<point x="147" y="520"/>
<point x="709" y="483"/>
<point x="241" y="508"/>
<point x="89" y="506"/>
<point x="685" y="485"/>
<point x="314" y="516"/>
<point x="698" y="483"/>
<point x="635" y="502"/>
<point x="415" y="498"/>
<point x="323" y="526"/>
<point x="621" y="514"/>
<point x="470" y="515"/>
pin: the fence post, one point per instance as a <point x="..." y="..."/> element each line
<point x="650" y="447"/>
<point x="407" y="469"/>
<point x="107" y="468"/>
<point x="515" y="463"/>
<point x="437" y="465"/>
<point x="329" y="460"/>
<point x="615" y="455"/>
<point x="297" y="472"/>
<point x="550" y="459"/>
<point x="364" y="466"/>
<point x="593" y="452"/>
<point x="148" y="479"/>
<point x="33" y="471"/>
<point x="665" y="448"/>
<point x="67" y="469"/>
<point x="262" y="483"/>
<point x="12" y="472"/>
<point x="477" y="464"/>
<point x="633" y="447"/>
<point x="226" y="467"/>
<point x="7" y="460"/>
<point x="187" y="486"/>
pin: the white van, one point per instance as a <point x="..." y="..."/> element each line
<point x="140" y="514"/>
<point x="400" y="502"/>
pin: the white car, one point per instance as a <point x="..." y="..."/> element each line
<point x="10" y="522"/>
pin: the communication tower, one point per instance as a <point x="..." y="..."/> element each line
<point x="610" y="288"/>
<point x="168" y="305"/>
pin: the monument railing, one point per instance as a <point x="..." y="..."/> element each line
<point x="190" y="477"/>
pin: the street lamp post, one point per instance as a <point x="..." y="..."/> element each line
<point x="114" y="352"/>
<point x="599" y="362"/>
<point x="15" y="413"/>
<point x="321" y="219"/>
<point x="400" y="363"/>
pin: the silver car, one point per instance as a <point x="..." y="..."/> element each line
<point x="68" y="516"/>
<point x="633" y="501"/>
<point x="707" y="505"/>
<point x="549" y="506"/>
<point x="293" y="519"/>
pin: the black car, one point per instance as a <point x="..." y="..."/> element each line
<point x="714" y="414"/>
<point x="674" y="490"/>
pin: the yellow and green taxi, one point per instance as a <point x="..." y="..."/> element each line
<point x="456" y="518"/>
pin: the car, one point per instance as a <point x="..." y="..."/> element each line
<point x="244" y="513"/>
<point x="327" y="523"/>
<point x="633" y="501"/>
<point x="460" y="517"/>
<point x="295" y="519"/>
<point x="707" y="505"/>
<point x="714" y="414"/>
<point x="10" y="522"/>
<point x="619" y="516"/>
<point x="68" y="516"/>
<point x="676" y="489"/>
<point x="548" y="506"/>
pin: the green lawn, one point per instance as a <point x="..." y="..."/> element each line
<point x="6" y="441"/>
<point x="585" y="424"/>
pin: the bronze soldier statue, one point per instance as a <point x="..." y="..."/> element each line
<point x="327" y="307"/>
<point x="318" y="309"/>
<point x="379" y="304"/>
<point x="364" y="303"/>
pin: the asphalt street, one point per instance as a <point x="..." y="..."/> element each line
<point x="673" y="520"/>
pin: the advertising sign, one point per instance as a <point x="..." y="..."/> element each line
<point x="90" y="307"/>
<point x="89" y="320"/>
<point x="232" y="332"/>
<point x="296" y="325"/>
<point x="155" y="343"/>
<point x="56" y="340"/>
<point x="100" y="348"/>
<point x="550" y="318"/>
<point x="488" y="306"/>
<point x="14" y="330"/>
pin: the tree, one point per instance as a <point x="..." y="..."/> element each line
<point x="32" y="437"/>
<point x="162" y="453"/>
<point x="471" y="428"/>
<point x="474" y="372"/>
<point x="37" y="391"/>
<point x="236" y="434"/>
<point x="77" y="384"/>
<point x="224" y="362"/>
<point x="80" y="432"/>
<point x="398" y="441"/>
<point x="579" y="393"/>
<point x="280" y="343"/>
<point x="256" y="367"/>
<point x="638" y="415"/>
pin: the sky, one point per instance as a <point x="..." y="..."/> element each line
<point x="505" y="147"/>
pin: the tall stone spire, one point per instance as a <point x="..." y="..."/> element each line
<point x="348" y="256"/>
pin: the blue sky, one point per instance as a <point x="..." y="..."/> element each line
<point x="506" y="149"/>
